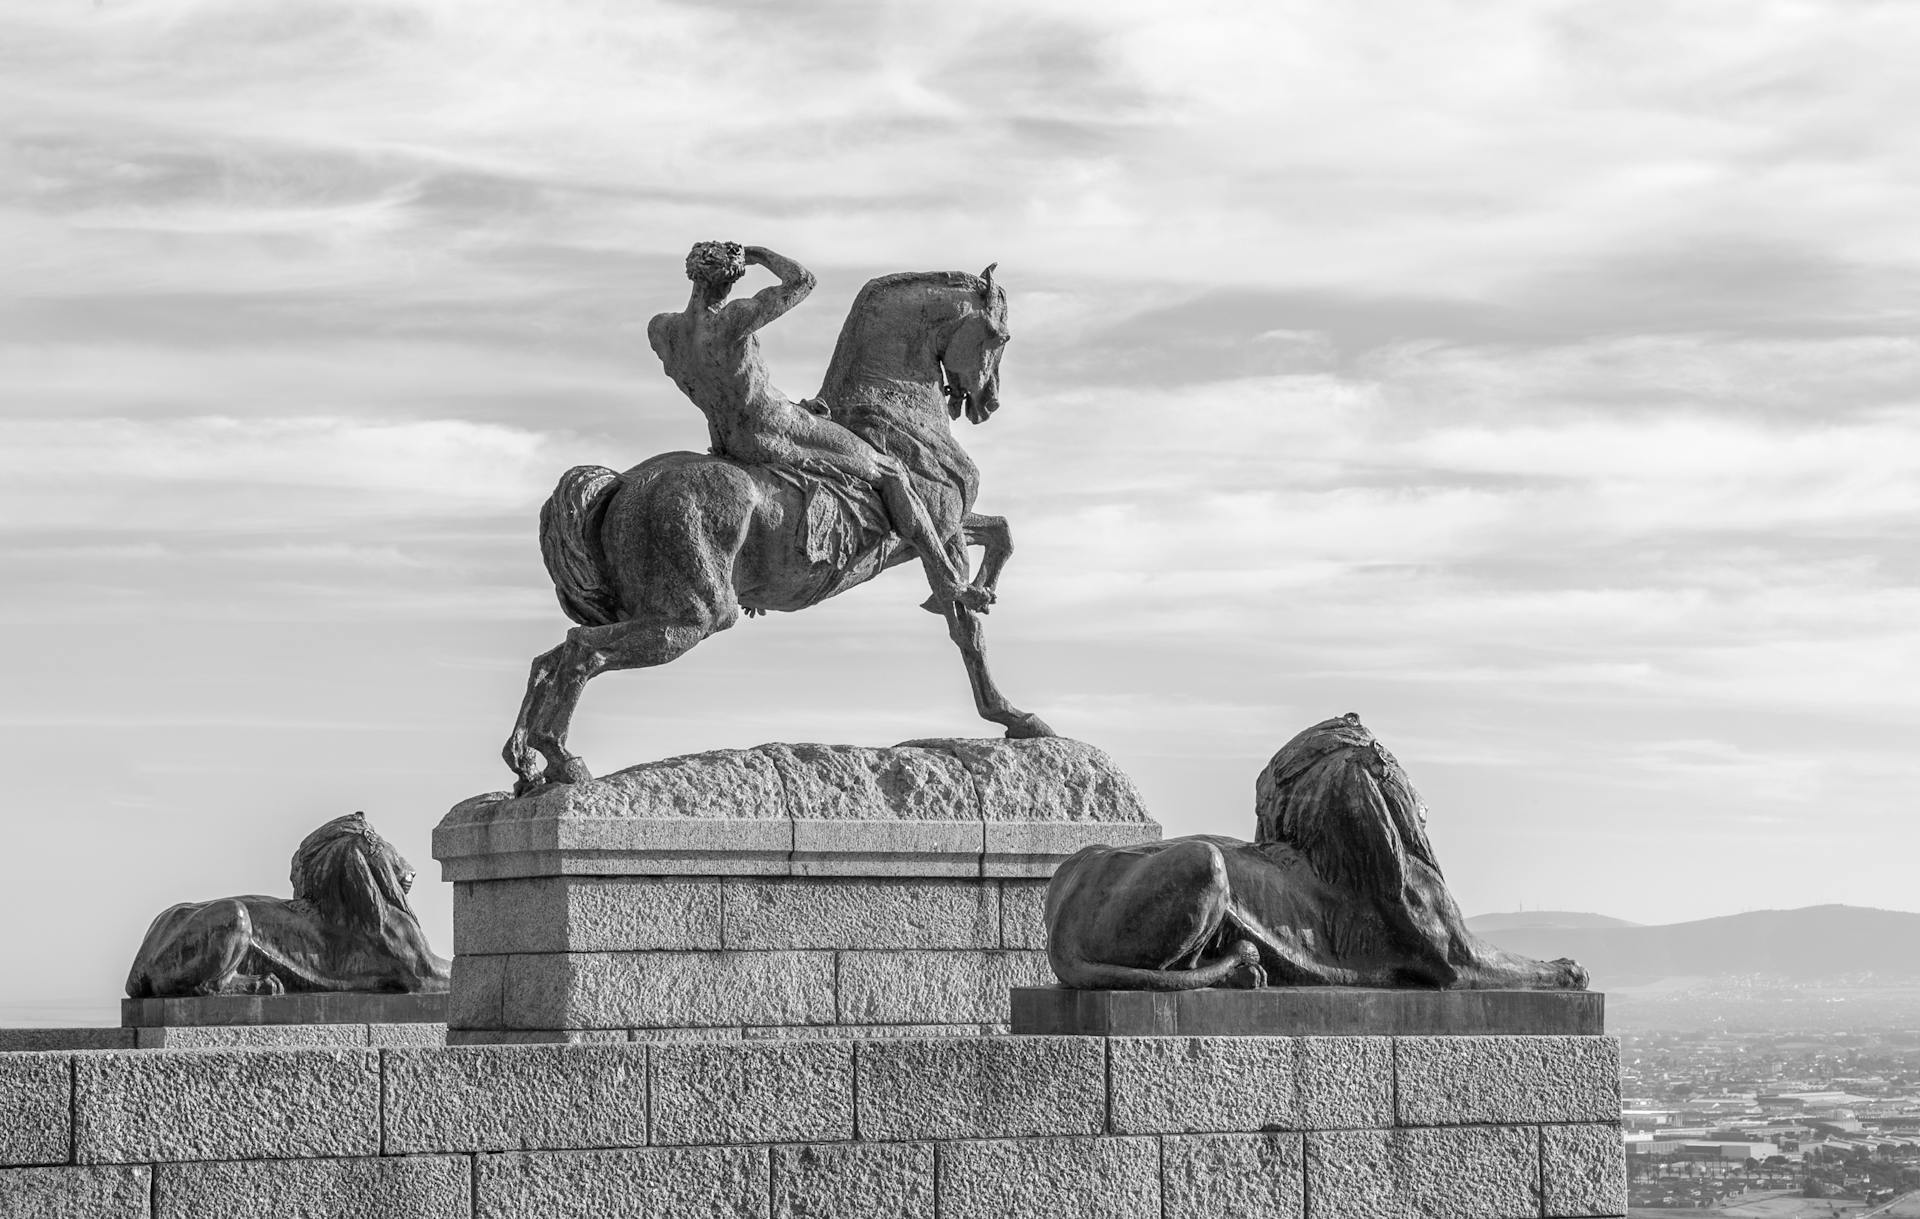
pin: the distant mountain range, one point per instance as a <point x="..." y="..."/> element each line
<point x="1812" y="942"/>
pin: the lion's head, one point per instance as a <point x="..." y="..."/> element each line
<point x="356" y="882"/>
<point x="1335" y="795"/>
<point x="1325" y="778"/>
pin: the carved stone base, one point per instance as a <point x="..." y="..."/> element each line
<point x="1327" y="1011"/>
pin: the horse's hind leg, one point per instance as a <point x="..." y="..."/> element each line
<point x="963" y="626"/>
<point x="559" y="676"/>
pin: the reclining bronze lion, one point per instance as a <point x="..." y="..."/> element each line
<point x="1339" y="888"/>
<point x="348" y="927"/>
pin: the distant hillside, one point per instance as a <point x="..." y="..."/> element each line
<point x="1542" y="920"/>
<point x="1813" y="942"/>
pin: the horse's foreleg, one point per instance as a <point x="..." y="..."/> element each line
<point x="995" y="540"/>
<point x="963" y="626"/>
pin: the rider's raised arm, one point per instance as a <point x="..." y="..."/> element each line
<point x="769" y="303"/>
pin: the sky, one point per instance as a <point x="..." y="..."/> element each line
<point x="1539" y="380"/>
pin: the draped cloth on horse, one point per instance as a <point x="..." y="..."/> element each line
<point x="846" y="521"/>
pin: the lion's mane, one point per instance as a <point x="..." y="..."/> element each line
<point x="356" y="882"/>
<point x="1338" y="797"/>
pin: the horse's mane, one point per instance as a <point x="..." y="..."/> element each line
<point x="866" y="304"/>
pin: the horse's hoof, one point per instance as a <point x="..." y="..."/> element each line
<point x="1029" y="728"/>
<point x="575" y="771"/>
<point x="526" y="785"/>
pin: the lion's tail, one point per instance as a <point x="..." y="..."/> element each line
<point x="1098" y="975"/>
<point x="570" y="544"/>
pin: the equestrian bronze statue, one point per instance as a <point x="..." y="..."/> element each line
<point x="794" y="503"/>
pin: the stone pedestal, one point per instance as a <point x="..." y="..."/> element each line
<point x="776" y="892"/>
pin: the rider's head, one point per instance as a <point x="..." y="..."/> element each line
<point x="716" y="264"/>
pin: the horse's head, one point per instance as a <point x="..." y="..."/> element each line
<point x="971" y="354"/>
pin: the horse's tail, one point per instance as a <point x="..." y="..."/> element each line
<point x="570" y="544"/>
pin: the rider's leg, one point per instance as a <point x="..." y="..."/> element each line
<point x="828" y="444"/>
<point x="909" y="517"/>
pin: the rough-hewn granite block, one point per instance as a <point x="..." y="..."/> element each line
<point x="513" y="1098"/>
<point x="12" y="1040"/>
<point x="668" y="989"/>
<point x="141" y="1105"/>
<point x="931" y="808"/>
<point x="1048" y="779"/>
<point x="1177" y="1085"/>
<point x="981" y="1087"/>
<point x="861" y="913"/>
<point x="1450" y="1081"/>
<point x="933" y="988"/>
<point x="752" y="1092"/>
<point x="1213" y="1176"/>
<point x="585" y="914"/>
<point x="75" y="1193"/>
<point x="1585" y="1169"/>
<point x="1467" y="1172"/>
<point x="1110" y="1178"/>
<point x="1023" y="913"/>
<point x="1316" y="1011"/>
<point x="390" y="1187"/>
<point x="1180" y="1085"/>
<point x="478" y="996"/>
<point x="36" y="1093"/>
<point x="252" y="1036"/>
<point x="1344" y="1082"/>
<point x="854" y="1181"/>
<point x="859" y="783"/>
<point x="878" y="812"/>
<point x="694" y="1182"/>
<point x="720" y="812"/>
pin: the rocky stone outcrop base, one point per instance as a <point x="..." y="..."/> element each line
<point x="911" y="1128"/>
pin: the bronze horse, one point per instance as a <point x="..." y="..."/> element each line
<point x="653" y="561"/>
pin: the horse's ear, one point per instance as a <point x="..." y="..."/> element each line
<point x="986" y="277"/>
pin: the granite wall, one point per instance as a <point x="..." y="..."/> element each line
<point x="591" y="958"/>
<point x="908" y="1128"/>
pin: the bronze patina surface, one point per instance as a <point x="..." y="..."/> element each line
<point x="1339" y="888"/>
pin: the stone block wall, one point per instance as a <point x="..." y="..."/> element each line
<point x="591" y="958"/>
<point x="900" y="1128"/>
